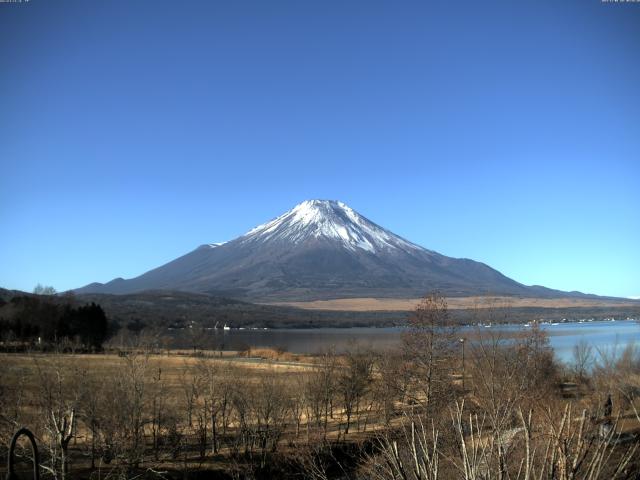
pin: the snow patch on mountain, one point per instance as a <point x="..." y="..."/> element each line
<point x="332" y="220"/>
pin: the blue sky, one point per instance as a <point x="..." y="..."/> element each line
<point x="507" y="132"/>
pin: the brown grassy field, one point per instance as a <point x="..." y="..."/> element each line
<point x="25" y="396"/>
<point x="271" y="399"/>
<point x="455" y="303"/>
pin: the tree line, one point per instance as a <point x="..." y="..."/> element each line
<point x="46" y="321"/>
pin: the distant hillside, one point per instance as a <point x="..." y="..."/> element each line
<point x="178" y="309"/>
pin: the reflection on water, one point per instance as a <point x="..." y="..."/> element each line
<point x="606" y="336"/>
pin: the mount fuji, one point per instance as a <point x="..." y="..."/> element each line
<point x="320" y="249"/>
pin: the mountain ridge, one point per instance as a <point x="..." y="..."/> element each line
<point x="321" y="249"/>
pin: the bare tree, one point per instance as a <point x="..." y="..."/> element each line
<point x="321" y="389"/>
<point x="44" y="290"/>
<point x="90" y="407"/>
<point x="430" y="344"/>
<point x="353" y="381"/>
<point x="122" y="429"/>
<point x="297" y="400"/>
<point x="64" y="429"/>
<point x="158" y="399"/>
<point x="583" y="359"/>
<point x="271" y="407"/>
<point x="564" y="447"/>
<point x="59" y="399"/>
<point x="392" y="382"/>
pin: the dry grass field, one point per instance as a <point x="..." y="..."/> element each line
<point x="258" y="401"/>
<point x="455" y="303"/>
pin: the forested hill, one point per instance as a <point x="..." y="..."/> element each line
<point x="177" y="309"/>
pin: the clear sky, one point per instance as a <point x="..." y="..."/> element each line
<point x="133" y="131"/>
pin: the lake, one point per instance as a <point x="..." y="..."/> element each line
<point x="605" y="336"/>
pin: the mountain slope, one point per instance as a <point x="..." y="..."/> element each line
<point x="320" y="249"/>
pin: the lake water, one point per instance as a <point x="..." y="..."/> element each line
<point x="605" y="336"/>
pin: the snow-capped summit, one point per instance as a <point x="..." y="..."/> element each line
<point x="328" y="220"/>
